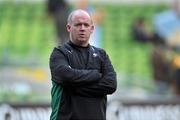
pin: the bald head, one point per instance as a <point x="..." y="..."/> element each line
<point x="80" y="27"/>
<point x="78" y="12"/>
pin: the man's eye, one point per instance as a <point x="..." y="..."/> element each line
<point x="77" y="24"/>
<point x="87" y="25"/>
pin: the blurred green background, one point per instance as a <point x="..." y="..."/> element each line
<point x="27" y="37"/>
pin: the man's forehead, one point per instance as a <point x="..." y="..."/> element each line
<point x="82" y="18"/>
<point x="81" y="15"/>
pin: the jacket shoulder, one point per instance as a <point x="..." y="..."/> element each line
<point x="99" y="50"/>
<point x="64" y="49"/>
<point x="56" y="50"/>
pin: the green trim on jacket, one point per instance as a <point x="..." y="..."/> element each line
<point x="56" y="94"/>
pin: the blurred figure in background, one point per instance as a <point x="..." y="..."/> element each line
<point x="97" y="16"/>
<point x="140" y="32"/>
<point x="160" y="67"/>
<point x="167" y="26"/>
<point x="167" y="23"/>
<point x="58" y="10"/>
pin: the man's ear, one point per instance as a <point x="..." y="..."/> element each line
<point x="68" y="27"/>
<point x="92" y="28"/>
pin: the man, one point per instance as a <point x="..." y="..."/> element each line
<point x="82" y="75"/>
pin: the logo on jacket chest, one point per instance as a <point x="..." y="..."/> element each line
<point x="95" y="55"/>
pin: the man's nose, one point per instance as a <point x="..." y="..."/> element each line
<point x="82" y="27"/>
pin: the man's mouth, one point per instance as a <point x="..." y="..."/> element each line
<point x="82" y="35"/>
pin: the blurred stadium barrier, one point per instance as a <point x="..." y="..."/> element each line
<point x="24" y="112"/>
<point x="144" y="110"/>
<point x="116" y="110"/>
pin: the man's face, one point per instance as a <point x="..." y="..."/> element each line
<point x="80" y="29"/>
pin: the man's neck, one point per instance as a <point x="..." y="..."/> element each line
<point x="80" y="44"/>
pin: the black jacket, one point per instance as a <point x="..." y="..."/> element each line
<point x="82" y="77"/>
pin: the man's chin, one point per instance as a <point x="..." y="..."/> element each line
<point x="83" y="40"/>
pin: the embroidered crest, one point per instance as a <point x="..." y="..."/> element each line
<point x="94" y="54"/>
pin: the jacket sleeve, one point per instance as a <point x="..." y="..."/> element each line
<point x="63" y="74"/>
<point x="106" y="85"/>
